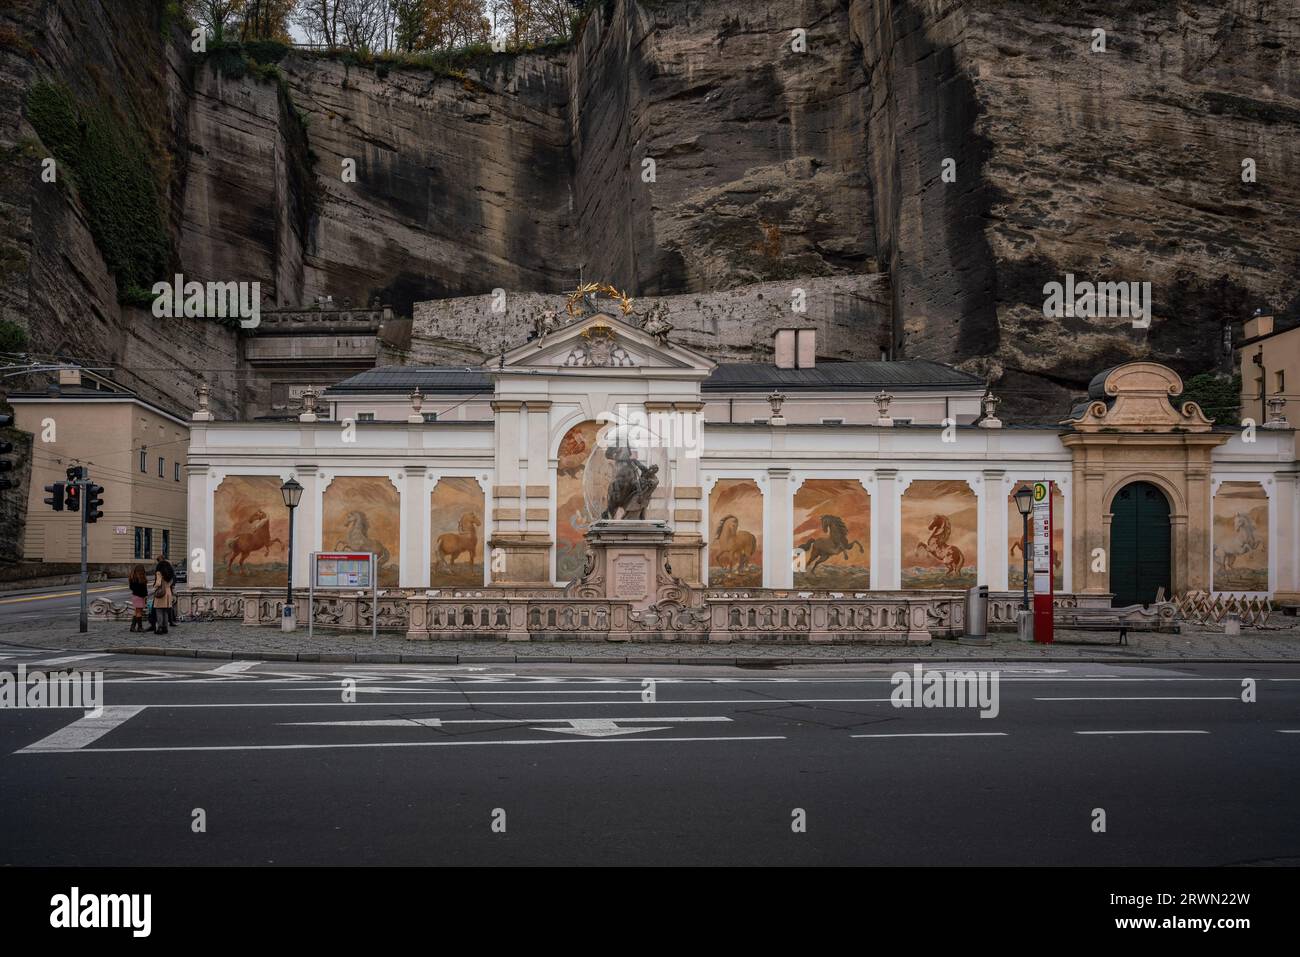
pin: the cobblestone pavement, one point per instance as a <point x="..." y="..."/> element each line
<point x="1279" y="640"/>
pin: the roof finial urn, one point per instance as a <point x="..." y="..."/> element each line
<point x="883" y="399"/>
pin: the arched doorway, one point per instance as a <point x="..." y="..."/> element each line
<point x="1139" y="545"/>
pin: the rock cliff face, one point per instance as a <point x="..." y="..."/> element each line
<point x="772" y="167"/>
<point x="1118" y="165"/>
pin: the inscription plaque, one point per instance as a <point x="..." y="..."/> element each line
<point x="630" y="576"/>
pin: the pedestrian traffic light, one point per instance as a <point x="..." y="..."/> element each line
<point x="6" y="420"/>
<point x="72" y="498"/>
<point x="94" y="502"/>
<point x="55" y="499"/>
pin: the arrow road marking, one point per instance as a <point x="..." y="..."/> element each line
<point x="586" y="727"/>
<point x="412" y="744"/>
<point x="602" y="727"/>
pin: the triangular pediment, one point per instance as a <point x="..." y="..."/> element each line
<point x="601" y="344"/>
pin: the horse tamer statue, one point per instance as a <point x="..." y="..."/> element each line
<point x="632" y="485"/>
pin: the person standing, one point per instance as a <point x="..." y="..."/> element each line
<point x="162" y="601"/>
<point x="139" y="583"/>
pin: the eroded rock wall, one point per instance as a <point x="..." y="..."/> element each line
<point x="1116" y="165"/>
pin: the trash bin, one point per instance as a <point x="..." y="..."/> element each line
<point x="977" y="612"/>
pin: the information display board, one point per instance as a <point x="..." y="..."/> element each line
<point x="1041" y="520"/>
<point x="348" y="571"/>
<point x="341" y="570"/>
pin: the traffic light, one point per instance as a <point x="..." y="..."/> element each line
<point x="72" y="498"/>
<point x="55" y="499"/>
<point x="94" y="502"/>
<point x="6" y="420"/>
<point x="76" y="472"/>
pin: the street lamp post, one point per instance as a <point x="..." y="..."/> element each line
<point x="292" y="493"/>
<point x="1025" y="504"/>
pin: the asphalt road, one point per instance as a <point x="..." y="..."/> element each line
<point x="715" y="770"/>
<point x="62" y="602"/>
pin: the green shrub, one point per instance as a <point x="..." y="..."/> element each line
<point x="110" y="168"/>
<point x="13" y="337"/>
<point x="1218" y="395"/>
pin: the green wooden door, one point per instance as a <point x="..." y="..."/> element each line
<point x="1139" y="545"/>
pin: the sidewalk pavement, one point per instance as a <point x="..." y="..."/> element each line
<point x="1279" y="641"/>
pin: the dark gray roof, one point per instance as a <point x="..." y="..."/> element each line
<point x="400" y="380"/>
<point x="727" y="377"/>
<point x="840" y="377"/>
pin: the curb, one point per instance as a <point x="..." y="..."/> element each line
<point x="736" y="662"/>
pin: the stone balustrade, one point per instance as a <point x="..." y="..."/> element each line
<point x="542" y="614"/>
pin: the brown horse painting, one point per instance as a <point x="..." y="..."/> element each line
<point x="451" y="545"/>
<point x="258" y="536"/>
<point x="937" y="547"/>
<point x="733" y="545"/>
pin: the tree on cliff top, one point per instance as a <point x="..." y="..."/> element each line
<point x="250" y="19"/>
<point x="215" y="16"/>
<point x="533" y="21"/>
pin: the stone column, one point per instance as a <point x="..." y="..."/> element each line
<point x="780" y="504"/>
<point x="1091" y="525"/>
<point x="521" y="514"/>
<point x="198" y="532"/>
<point x="686" y="511"/>
<point x="306" y="524"/>
<point x="993" y="520"/>
<point x="414" y="569"/>
<point x="1286" y="537"/>
<point x="886" y="559"/>
<point x="1196" y="529"/>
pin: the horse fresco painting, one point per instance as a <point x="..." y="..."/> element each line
<point x="251" y="532"/>
<point x="832" y="535"/>
<point x="1015" y="531"/>
<point x="362" y="513"/>
<point x="456" y="532"/>
<point x="571" y="518"/>
<point x="939" y="535"/>
<point x="1240" y="537"/>
<point x="736" y="534"/>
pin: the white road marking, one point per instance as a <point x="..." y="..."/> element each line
<point x="62" y="661"/>
<point x="235" y="667"/>
<point x="501" y="704"/>
<point x="1154" y="698"/>
<point x="938" y="734"/>
<point x="83" y="731"/>
<point x="439" y="722"/>
<point x="1141" y="732"/>
<point x="465" y="690"/>
<point x="411" y="744"/>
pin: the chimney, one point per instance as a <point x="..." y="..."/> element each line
<point x="806" y="354"/>
<point x="785" y="348"/>
<point x="1258" y="326"/>
<point x="795" y="348"/>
